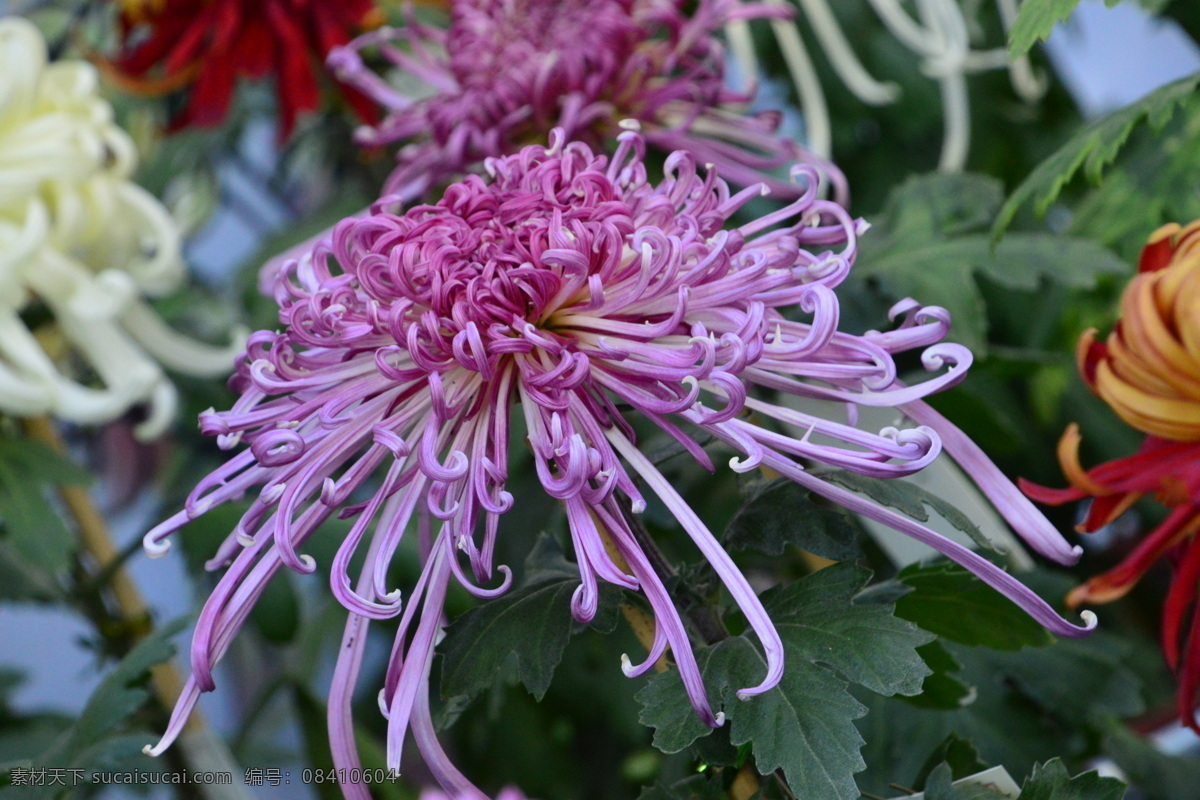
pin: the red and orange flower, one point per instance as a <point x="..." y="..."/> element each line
<point x="207" y="46"/>
<point x="1148" y="371"/>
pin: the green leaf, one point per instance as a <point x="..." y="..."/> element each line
<point x="1093" y="148"/>
<point x="1051" y="781"/>
<point x="864" y="642"/>
<point x="34" y="531"/>
<point x="1157" y="775"/>
<point x="277" y="612"/>
<point x="528" y="626"/>
<point x="909" y="499"/>
<point x="41" y="463"/>
<point x="940" y="787"/>
<point x="951" y="602"/>
<point x="930" y="241"/>
<point x="1079" y="679"/>
<point x="99" y="740"/>
<point x="804" y="726"/>
<point x="1034" y="22"/>
<point x="704" y="786"/>
<point x="780" y="513"/>
<point x="943" y="689"/>
<point x="956" y="753"/>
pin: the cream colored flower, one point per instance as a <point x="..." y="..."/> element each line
<point x="82" y="244"/>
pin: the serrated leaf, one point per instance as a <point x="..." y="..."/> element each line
<point x="909" y="499"/>
<point x="1051" y="781"/>
<point x="120" y="694"/>
<point x="957" y="754"/>
<point x="528" y="626"/>
<point x="930" y="241"/>
<point x="943" y="688"/>
<point x="1035" y="20"/>
<point x="951" y="602"/>
<point x="1019" y="261"/>
<point x="864" y="642"/>
<point x="805" y="725"/>
<point x="940" y="787"/>
<point x="1094" y="148"/>
<point x="780" y="513"/>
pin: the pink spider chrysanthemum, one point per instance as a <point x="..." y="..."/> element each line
<point x="568" y="287"/>
<point x="506" y="71"/>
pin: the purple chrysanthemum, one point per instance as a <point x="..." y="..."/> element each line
<point x="568" y="286"/>
<point x="506" y="71"/>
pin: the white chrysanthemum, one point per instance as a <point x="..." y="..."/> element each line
<point x="81" y="243"/>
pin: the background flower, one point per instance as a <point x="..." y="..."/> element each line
<point x="82" y="244"/>
<point x="504" y="73"/>
<point x="207" y="46"/>
<point x="1148" y="371"/>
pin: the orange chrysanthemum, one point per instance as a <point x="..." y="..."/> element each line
<point x="1148" y="371"/>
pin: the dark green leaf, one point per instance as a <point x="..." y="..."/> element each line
<point x="1051" y="781"/>
<point x="704" y="786"/>
<point x="930" y="241"/>
<point x="1093" y="148"/>
<point x="277" y="612"/>
<point x="951" y="602"/>
<point x="939" y="787"/>
<point x="99" y="738"/>
<point x="942" y="689"/>
<point x="19" y="580"/>
<point x="956" y="753"/>
<point x="909" y="499"/>
<point x="528" y="626"/>
<point x="34" y="531"/>
<point x="805" y="725"/>
<point x="1078" y="679"/>
<point x="864" y="642"/>
<point x="1019" y="261"/>
<point x="40" y="463"/>
<point x="780" y="513"/>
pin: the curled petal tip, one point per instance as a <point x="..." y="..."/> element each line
<point x="155" y="549"/>
<point x="627" y="665"/>
<point x="719" y="719"/>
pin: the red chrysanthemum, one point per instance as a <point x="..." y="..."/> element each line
<point x="1148" y="371"/>
<point x="206" y="46"/>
